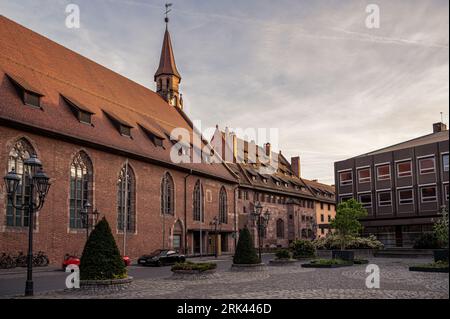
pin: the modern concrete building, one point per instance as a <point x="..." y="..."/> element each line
<point x="402" y="186"/>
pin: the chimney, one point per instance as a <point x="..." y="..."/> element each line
<point x="295" y="165"/>
<point x="439" y="127"/>
<point x="268" y="150"/>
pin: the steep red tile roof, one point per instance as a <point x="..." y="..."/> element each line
<point x="167" y="62"/>
<point x="250" y="176"/>
<point x="55" y="70"/>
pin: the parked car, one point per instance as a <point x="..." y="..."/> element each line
<point x="161" y="257"/>
<point x="74" y="260"/>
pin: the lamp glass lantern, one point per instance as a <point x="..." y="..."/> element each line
<point x="12" y="181"/>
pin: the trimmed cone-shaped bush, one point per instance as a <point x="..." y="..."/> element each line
<point x="101" y="259"/>
<point x="245" y="251"/>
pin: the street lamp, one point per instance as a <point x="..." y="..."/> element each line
<point x="262" y="220"/>
<point x="216" y="223"/>
<point x="86" y="214"/>
<point x="39" y="184"/>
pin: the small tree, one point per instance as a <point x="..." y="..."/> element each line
<point x="346" y="223"/>
<point x="245" y="251"/>
<point x="441" y="227"/>
<point x="101" y="258"/>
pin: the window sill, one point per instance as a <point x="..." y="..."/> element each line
<point x="16" y="229"/>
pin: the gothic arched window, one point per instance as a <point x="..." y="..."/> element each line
<point x="21" y="151"/>
<point x="223" y="207"/>
<point x="280" y="228"/>
<point x="126" y="192"/>
<point x="80" y="188"/>
<point x="198" y="202"/>
<point x="167" y="195"/>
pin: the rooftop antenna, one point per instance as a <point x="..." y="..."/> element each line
<point x="166" y="19"/>
<point x="442" y="118"/>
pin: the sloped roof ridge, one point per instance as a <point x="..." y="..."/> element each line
<point x="92" y="93"/>
<point x="400" y="143"/>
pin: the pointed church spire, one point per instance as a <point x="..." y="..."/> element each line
<point x="167" y="64"/>
<point x="167" y="77"/>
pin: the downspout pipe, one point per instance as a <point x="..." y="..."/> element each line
<point x="235" y="217"/>
<point x="185" y="211"/>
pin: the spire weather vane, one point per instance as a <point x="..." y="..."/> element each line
<point x="168" y="5"/>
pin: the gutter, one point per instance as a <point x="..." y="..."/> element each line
<point x="185" y="211"/>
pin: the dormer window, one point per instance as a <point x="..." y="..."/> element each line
<point x="29" y="95"/>
<point x="156" y="137"/>
<point x="82" y="113"/>
<point x="123" y="127"/>
<point x="125" y="130"/>
<point x="286" y="185"/>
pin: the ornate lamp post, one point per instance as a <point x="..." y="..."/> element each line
<point x="89" y="217"/>
<point x="262" y="220"/>
<point x="39" y="184"/>
<point x="216" y="223"/>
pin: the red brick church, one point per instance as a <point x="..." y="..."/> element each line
<point x="104" y="140"/>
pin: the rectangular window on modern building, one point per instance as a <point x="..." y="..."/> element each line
<point x="405" y="196"/>
<point x="365" y="200"/>
<point x="445" y="162"/>
<point x="364" y="175"/>
<point x="346" y="178"/>
<point x="384" y="172"/>
<point x="404" y="169"/>
<point x="446" y="192"/>
<point x="428" y="194"/>
<point x="384" y="199"/>
<point x="345" y="198"/>
<point x="426" y="165"/>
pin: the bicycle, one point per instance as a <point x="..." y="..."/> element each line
<point x="6" y="261"/>
<point x="21" y="260"/>
<point x="40" y="260"/>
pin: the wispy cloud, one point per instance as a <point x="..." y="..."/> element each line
<point x="334" y="88"/>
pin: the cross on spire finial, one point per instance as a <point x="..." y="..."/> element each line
<point x="166" y="19"/>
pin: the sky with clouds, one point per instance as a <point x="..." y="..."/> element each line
<point x="333" y="87"/>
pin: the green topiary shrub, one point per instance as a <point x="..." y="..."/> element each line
<point x="101" y="259"/>
<point x="427" y="241"/>
<point x="283" y="254"/>
<point x="303" y="249"/>
<point x="245" y="251"/>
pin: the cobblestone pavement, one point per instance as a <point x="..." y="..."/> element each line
<point x="287" y="282"/>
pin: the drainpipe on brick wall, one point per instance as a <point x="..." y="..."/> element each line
<point x="185" y="212"/>
<point x="235" y="217"/>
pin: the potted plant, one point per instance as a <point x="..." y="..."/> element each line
<point x="191" y="268"/>
<point x="101" y="263"/>
<point x="303" y="249"/>
<point x="282" y="257"/>
<point x="441" y="233"/>
<point x="245" y="256"/>
<point x="346" y="224"/>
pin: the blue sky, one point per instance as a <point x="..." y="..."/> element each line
<point x="333" y="87"/>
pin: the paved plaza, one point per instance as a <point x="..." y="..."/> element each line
<point x="286" y="282"/>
